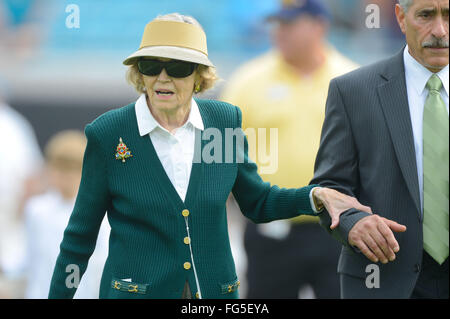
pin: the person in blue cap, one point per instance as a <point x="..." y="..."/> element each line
<point x="291" y="9"/>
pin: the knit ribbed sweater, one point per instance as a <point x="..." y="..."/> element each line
<point x="157" y="241"/>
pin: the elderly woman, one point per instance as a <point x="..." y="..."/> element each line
<point x="145" y="165"/>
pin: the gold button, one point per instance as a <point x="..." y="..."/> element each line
<point x="197" y="295"/>
<point x="185" y="213"/>
<point x="187" y="240"/>
<point x="187" y="265"/>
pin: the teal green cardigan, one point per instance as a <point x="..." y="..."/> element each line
<point x="148" y="229"/>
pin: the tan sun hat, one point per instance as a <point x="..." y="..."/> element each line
<point x="173" y="40"/>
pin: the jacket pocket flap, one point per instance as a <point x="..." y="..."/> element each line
<point x="127" y="286"/>
<point x="230" y="286"/>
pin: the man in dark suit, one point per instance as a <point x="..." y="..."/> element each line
<point x="385" y="140"/>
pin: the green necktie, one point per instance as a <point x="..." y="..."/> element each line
<point x="435" y="172"/>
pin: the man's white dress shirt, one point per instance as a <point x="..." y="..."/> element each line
<point x="417" y="77"/>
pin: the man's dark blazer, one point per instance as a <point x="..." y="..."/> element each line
<point x="367" y="150"/>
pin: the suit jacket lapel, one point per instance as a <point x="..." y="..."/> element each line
<point x="394" y="102"/>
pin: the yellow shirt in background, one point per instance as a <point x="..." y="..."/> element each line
<point x="271" y="95"/>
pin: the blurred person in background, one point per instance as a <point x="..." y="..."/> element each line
<point x="20" y="171"/>
<point x="387" y="126"/>
<point x="20" y="33"/>
<point x="164" y="198"/>
<point x="47" y="215"/>
<point x="286" y="89"/>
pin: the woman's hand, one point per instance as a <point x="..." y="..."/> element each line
<point x="336" y="203"/>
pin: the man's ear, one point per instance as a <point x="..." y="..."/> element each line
<point x="401" y="16"/>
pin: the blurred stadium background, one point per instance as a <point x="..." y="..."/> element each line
<point x="60" y="77"/>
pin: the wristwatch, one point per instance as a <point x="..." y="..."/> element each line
<point x="317" y="203"/>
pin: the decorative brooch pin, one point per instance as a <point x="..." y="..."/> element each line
<point x="122" y="151"/>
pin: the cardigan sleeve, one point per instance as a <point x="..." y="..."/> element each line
<point x="81" y="233"/>
<point x="262" y="202"/>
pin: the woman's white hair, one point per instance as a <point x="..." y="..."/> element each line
<point x="405" y="4"/>
<point x="179" y="18"/>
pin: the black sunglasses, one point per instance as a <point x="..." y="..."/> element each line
<point x="174" y="68"/>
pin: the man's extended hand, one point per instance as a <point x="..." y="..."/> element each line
<point x="373" y="236"/>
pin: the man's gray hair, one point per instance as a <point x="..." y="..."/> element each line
<point x="405" y="4"/>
